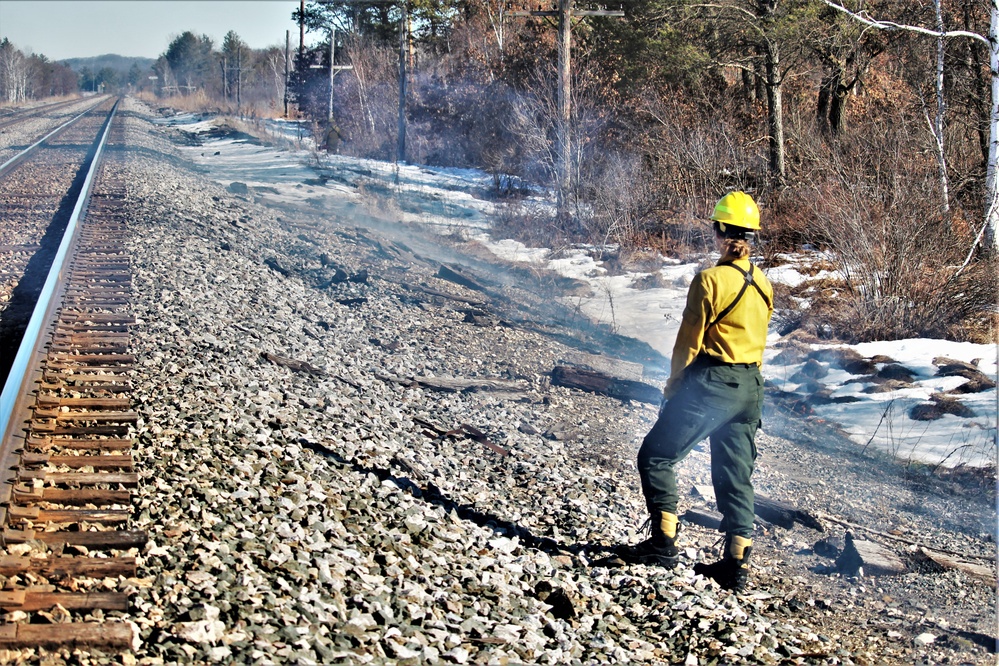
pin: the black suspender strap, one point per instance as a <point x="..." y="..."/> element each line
<point x="748" y="275"/>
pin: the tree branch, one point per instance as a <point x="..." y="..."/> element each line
<point x="753" y="17"/>
<point x="891" y="25"/>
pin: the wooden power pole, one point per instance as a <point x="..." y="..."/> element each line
<point x="287" y="57"/>
<point x="400" y="155"/>
<point x="334" y="68"/>
<point x="564" y="14"/>
<point x="301" y="28"/>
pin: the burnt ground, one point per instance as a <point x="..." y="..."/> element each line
<point x="926" y="615"/>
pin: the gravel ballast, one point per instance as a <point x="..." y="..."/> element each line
<point x="317" y="514"/>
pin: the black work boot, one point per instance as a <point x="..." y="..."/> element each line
<point x="732" y="571"/>
<point x="660" y="548"/>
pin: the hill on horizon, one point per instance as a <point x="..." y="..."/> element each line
<point x="116" y="62"/>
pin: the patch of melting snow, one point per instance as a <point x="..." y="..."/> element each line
<point x="455" y="200"/>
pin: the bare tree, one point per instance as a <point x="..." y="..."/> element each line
<point x="14" y="73"/>
<point x="990" y="225"/>
<point x="761" y="37"/>
<point x="496" y="10"/>
<point x="276" y="65"/>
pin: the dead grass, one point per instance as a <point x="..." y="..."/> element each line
<point x="813" y="268"/>
<point x="673" y="237"/>
<point x="530" y="225"/>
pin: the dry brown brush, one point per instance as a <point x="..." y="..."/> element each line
<point x="877" y="208"/>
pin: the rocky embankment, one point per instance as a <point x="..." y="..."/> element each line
<point x="312" y="497"/>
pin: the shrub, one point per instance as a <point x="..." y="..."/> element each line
<point x="878" y="209"/>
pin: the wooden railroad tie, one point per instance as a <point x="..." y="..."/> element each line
<point x="61" y="567"/>
<point x="104" y="540"/>
<point x="117" y="635"/>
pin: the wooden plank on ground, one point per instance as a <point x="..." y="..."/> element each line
<point x="120" y="461"/>
<point x="294" y="364"/>
<point x="987" y="574"/>
<point x="608" y="365"/>
<point x="458" y="276"/>
<point x="129" y="479"/>
<point x="111" y="539"/>
<point x="443" y="294"/>
<point x="92" y="359"/>
<point x="460" y="384"/>
<point x="91" y="417"/>
<point x="70" y="496"/>
<point x="51" y="401"/>
<point x="116" y="635"/>
<point x="783" y="514"/>
<point x="54" y="429"/>
<point x="108" y="444"/>
<point x="36" y="601"/>
<point x="100" y="516"/>
<point x="704" y="517"/>
<point x="596" y="382"/>
<point x="59" y="567"/>
<point x="870" y="557"/>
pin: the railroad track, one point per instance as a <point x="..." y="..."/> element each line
<point x="15" y="116"/>
<point x="65" y="466"/>
<point x="38" y="191"/>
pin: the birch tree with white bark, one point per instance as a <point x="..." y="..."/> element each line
<point x="989" y="234"/>
<point x="14" y="73"/>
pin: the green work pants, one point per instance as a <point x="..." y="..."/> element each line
<point x="719" y="402"/>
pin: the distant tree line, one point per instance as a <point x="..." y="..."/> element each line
<point x="115" y="78"/>
<point x="26" y="77"/>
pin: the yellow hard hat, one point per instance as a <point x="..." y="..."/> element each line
<point x="737" y="209"/>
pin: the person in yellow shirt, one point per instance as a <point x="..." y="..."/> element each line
<point x="714" y="391"/>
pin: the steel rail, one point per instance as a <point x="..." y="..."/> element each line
<point x="16" y="387"/>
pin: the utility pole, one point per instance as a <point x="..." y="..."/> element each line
<point x="239" y="80"/>
<point x="225" y="80"/>
<point x="403" y="42"/>
<point x="564" y="14"/>
<point x="400" y="152"/>
<point x="301" y="28"/>
<point x="287" y="54"/>
<point x="329" y="108"/>
<point x="334" y="68"/>
<point x="226" y="68"/>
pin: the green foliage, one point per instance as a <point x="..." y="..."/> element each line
<point x="191" y="60"/>
<point x="135" y="75"/>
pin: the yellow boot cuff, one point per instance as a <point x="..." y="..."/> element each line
<point x="668" y="523"/>
<point x="737" y="547"/>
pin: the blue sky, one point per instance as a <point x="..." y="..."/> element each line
<point x="60" y="29"/>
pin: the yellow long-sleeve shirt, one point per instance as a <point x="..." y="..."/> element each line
<point x="738" y="338"/>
